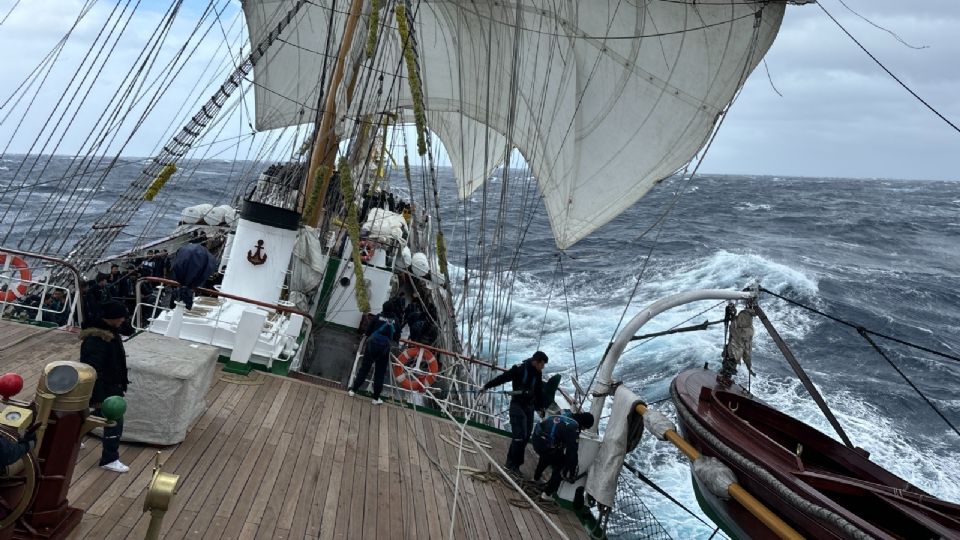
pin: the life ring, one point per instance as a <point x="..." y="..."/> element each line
<point x="420" y="359"/>
<point x="13" y="293"/>
<point x="367" y="249"/>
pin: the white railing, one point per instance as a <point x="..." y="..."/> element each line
<point x="38" y="290"/>
<point x="272" y="329"/>
<point x="461" y="396"/>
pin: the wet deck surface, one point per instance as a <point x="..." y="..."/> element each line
<point x="276" y="457"/>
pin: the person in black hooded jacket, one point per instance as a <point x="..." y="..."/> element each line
<point x="527" y="379"/>
<point x="102" y="349"/>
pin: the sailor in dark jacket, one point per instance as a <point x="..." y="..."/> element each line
<point x="382" y="333"/>
<point x="102" y="348"/>
<point x="527" y="379"/>
<point x="556" y="439"/>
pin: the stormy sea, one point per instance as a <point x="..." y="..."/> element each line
<point x="880" y="253"/>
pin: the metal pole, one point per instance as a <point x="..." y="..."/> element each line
<point x="601" y="387"/>
<point x="802" y="375"/>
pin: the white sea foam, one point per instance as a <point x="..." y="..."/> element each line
<point x="929" y="462"/>
<point x="752" y="207"/>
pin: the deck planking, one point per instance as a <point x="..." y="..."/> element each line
<point x="275" y="457"/>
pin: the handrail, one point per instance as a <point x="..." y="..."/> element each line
<point x="76" y="307"/>
<point x="212" y="292"/>
<point x="473" y="360"/>
<point x="470" y="359"/>
<point x="307" y="329"/>
<point x="495" y="419"/>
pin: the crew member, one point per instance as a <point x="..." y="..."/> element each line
<point x="556" y="440"/>
<point x="102" y="349"/>
<point x="382" y="333"/>
<point x="527" y="379"/>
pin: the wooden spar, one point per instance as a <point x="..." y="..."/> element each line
<point x="324" y="150"/>
<point x="736" y="491"/>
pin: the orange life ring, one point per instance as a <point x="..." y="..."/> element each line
<point x="367" y="249"/>
<point x="420" y="359"/>
<point x="12" y="294"/>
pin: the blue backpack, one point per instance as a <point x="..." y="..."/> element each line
<point x="552" y="423"/>
<point x="384" y="334"/>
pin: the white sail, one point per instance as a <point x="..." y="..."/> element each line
<point x="603" y="99"/>
<point x="475" y="149"/>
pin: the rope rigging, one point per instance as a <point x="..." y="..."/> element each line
<point x="890" y="73"/>
<point x="661" y="220"/>
<point x="865" y="334"/>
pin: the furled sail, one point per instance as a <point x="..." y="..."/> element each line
<point x="603" y="99"/>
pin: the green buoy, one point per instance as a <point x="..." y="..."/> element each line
<point x="113" y="408"/>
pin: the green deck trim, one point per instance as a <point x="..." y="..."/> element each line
<point x="712" y="513"/>
<point x="237" y="368"/>
<point x="329" y="277"/>
<point x="31" y="322"/>
<point x="279" y="367"/>
<point x="586" y="517"/>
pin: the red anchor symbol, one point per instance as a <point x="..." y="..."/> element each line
<point x="257" y="258"/>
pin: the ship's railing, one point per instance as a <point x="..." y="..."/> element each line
<point x="38" y="301"/>
<point x="461" y="396"/>
<point x="158" y="306"/>
<point x="456" y="384"/>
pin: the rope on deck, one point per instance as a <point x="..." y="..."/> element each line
<point x="532" y="489"/>
<point x="464" y="434"/>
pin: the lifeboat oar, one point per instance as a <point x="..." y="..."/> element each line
<point x="736" y="491"/>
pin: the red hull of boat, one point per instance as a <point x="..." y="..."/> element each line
<point x="827" y="491"/>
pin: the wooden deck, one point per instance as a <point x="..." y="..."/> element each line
<point x="277" y="457"/>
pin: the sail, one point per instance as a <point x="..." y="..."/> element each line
<point x="603" y="99"/>
<point x="475" y="149"/>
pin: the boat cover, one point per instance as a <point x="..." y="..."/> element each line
<point x="621" y="435"/>
<point x="385" y="226"/>
<point x="169" y="379"/>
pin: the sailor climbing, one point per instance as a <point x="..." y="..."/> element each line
<point x="527" y="379"/>
<point x="382" y="333"/>
<point x="556" y="440"/>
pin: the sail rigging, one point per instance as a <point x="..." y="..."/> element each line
<point x="602" y="102"/>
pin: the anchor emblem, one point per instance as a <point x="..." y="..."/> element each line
<point x="257" y="258"/>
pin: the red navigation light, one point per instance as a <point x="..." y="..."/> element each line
<point x="10" y="385"/>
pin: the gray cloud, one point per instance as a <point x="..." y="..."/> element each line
<point x="840" y="114"/>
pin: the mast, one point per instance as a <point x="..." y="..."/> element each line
<point x="325" y="148"/>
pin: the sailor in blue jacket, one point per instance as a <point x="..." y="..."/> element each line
<point x="556" y="439"/>
<point x="527" y="379"/>
<point x="382" y="333"/>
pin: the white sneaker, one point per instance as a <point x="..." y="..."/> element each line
<point x="82" y="444"/>
<point x="378" y="402"/>
<point x="545" y="497"/>
<point x="350" y="393"/>
<point x="116" y="467"/>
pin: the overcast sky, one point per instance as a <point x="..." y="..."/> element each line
<point x="840" y="114"/>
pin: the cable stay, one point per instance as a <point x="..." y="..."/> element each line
<point x="646" y="480"/>
<point x="865" y="334"/>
